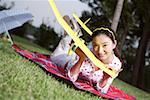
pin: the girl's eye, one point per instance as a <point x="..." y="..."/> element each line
<point x="95" y="47"/>
<point x="104" y="45"/>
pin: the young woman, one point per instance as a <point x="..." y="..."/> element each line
<point x="103" y="46"/>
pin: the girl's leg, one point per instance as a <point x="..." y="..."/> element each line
<point x="64" y="43"/>
<point x="60" y="55"/>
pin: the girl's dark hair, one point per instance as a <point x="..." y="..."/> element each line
<point x="111" y="34"/>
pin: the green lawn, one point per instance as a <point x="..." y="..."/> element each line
<point x="21" y="79"/>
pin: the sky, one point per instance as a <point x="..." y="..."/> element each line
<point x="42" y="11"/>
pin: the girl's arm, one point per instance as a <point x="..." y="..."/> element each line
<point x="76" y="68"/>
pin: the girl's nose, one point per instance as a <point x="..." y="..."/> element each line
<point x="100" y="50"/>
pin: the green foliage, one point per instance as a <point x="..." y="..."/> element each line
<point x="47" y="37"/>
<point x="4" y="6"/>
<point x="21" y="31"/>
<point x="44" y="36"/>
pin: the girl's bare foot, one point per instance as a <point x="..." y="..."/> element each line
<point x="68" y="21"/>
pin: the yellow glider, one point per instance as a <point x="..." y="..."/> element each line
<point x="82" y="24"/>
<point x="79" y="43"/>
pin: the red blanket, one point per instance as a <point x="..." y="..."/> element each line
<point x="47" y="64"/>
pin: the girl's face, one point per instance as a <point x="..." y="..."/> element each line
<point x="103" y="47"/>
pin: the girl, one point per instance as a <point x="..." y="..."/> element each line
<point x="103" y="45"/>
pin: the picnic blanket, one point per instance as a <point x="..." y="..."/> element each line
<point x="44" y="61"/>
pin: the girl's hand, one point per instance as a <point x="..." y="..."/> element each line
<point x="74" y="71"/>
<point x="81" y="55"/>
<point x="104" y="80"/>
<point x="102" y="83"/>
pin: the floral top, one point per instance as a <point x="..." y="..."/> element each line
<point x="88" y="70"/>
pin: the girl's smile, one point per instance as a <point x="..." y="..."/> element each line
<point x="103" y="48"/>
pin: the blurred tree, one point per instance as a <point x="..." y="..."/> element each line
<point x="22" y="31"/>
<point x="47" y="37"/>
<point x="143" y="13"/>
<point x="4" y="6"/>
<point x="117" y="14"/>
<point x="44" y="36"/>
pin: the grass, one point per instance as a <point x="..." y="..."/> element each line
<point x="21" y="79"/>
